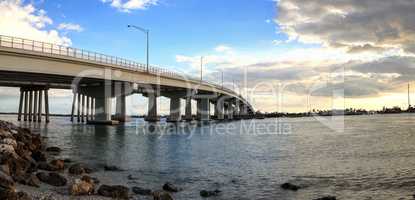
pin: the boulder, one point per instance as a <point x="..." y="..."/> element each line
<point x="5" y="169"/>
<point x="6" y="181"/>
<point x="290" y="186"/>
<point x="7" y="194"/>
<point x="39" y="156"/>
<point x="169" y="187"/>
<point x="23" y="196"/>
<point x="116" y="191"/>
<point x="90" y="179"/>
<point x="162" y="195"/>
<point x="9" y="141"/>
<point x="78" y="169"/>
<point x="326" y="198"/>
<point x="53" y="149"/>
<point x="58" y="164"/>
<point x="82" y="187"/>
<point x="207" y="193"/>
<point x="5" y="134"/>
<point x="141" y="191"/>
<point x="46" y="166"/>
<point x="28" y="179"/>
<point x="112" y="168"/>
<point x="52" y="178"/>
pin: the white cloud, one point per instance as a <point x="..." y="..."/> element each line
<point x="223" y="48"/>
<point x="70" y="27"/>
<point x="24" y="20"/>
<point x="127" y="6"/>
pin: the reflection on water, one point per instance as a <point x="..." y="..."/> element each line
<point x="372" y="159"/>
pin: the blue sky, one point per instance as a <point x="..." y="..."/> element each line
<point x="177" y="27"/>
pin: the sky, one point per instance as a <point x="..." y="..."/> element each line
<point x="282" y="55"/>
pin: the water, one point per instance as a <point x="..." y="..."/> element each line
<point x="373" y="158"/>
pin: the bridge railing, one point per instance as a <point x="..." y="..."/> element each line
<point x="66" y="51"/>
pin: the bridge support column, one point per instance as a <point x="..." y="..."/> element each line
<point x="188" y="109"/>
<point x="230" y="111"/>
<point x="102" y="109"/>
<point x="203" y="110"/>
<point x="26" y="101"/>
<point x="39" y="112"/>
<point x="82" y="108"/>
<point x="35" y="102"/>
<point x="219" y="109"/>
<point x="19" y="116"/>
<point x="152" y="108"/>
<point x="30" y="103"/>
<point x="120" y="108"/>
<point x="175" y="115"/>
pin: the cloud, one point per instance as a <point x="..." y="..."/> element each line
<point x="223" y="48"/>
<point x="127" y="6"/>
<point x="356" y="25"/>
<point x="25" y="21"/>
<point x="70" y="27"/>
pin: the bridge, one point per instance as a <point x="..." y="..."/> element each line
<point x="95" y="79"/>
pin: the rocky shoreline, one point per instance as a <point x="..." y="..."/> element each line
<point x="30" y="170"/>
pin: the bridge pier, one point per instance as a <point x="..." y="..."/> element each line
<point x="175" y="114"/>
<point x="120" y="108"/>
<point x="188" y="109"/>
<point x="219" y="109"/>
<point x="30" y="103"/>
<point x="152" y="95"/>
<point x="203" y="109"/>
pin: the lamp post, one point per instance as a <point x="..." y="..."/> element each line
<point x="147" y="32"/>
<point x="201" y="68"/>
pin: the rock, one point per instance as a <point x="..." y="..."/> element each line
<point x="82" y="187"/>
<point x="7" y="194"/>
<point x="78" y="169"/>
<point x="5" y="134"/>
<point x="53" y="149"/>
<point x="116" y="191"/>
<point x="207" y="193"/>
<point x="130" y="177"/>
<point x="23" y="196"/>
<point x="9" y="141"/>
<point x="58" y="164"/>
<point x="28" y="179"/>
<point x="46" y="166"/>
<point x="112" y="168"/>
<point x="32" y="180"/>
<point x="170" y="187"/>
<point x="6" y="181"/>
<point x="52" y="178"/>
<point x="326" y="198"/>
<point x="7" y="149"/>
<point x="290" y="186"/>
<point x="5" y="169"/>
<point x="90" y="179"/>
<point x="141" y="191"/>
<point x="39" y="156"/>
<point x="162" y="195"/>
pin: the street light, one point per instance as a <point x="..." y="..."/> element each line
<point x="146" y="31"/>
<point x="201" y="68"/>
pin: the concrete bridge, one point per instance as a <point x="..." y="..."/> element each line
<point x="95" y="79"/>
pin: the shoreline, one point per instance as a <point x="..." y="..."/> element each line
<point x="30" y="170"/>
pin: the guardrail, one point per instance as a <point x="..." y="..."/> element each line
<point x="66" y="51"/>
